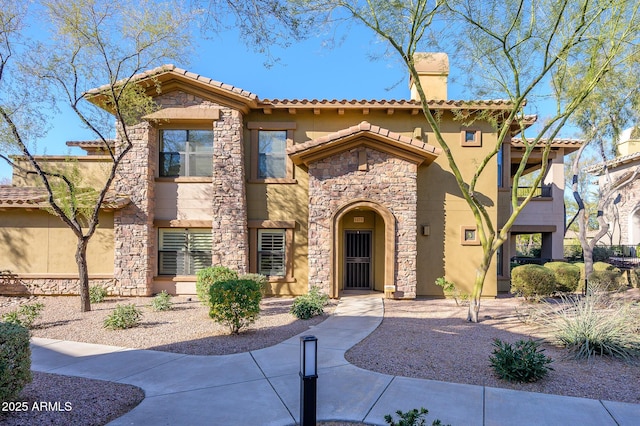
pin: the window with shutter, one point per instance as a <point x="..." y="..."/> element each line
<point x="271" y="252"/>
<point x="183" y="251"/>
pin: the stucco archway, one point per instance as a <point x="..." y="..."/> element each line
<point x="389" y="240"/>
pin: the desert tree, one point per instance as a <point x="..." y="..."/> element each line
<point x="89" y="42"/>
<point x="514" y="49"/>
<point x="609" y="109"/>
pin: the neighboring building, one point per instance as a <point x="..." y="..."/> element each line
<point x="332" y="193"/>
<point x="623" y="213"/>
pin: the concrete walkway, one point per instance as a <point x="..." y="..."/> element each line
<point x="262" y="387"/>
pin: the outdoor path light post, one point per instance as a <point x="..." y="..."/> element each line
<point x="308" y="377"/>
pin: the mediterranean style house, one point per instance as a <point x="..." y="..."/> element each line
<point x="340" y="194"/>
<point x="623" y="214"/>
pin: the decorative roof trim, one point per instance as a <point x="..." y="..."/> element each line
<point x="34" y="197"/>
<point x="185" y="114"/>
<point x="363" y="134"/>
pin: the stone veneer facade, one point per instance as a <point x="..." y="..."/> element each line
<point x="133" y="231"/>
<point x="336" y="181"/>
<point x="627" y="208"/>
<point x="17" y="286"/>
<point x="230" y="244"/>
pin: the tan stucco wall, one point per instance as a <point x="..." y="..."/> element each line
<point x="442" y="208"/>
<point x="285" y="202"/>
<point x="439" y="202"/>
<point x="183" y="201"/>
<point x="36" y="242"/>
<point x="92" y="170"/>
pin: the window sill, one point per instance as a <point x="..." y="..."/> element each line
<point x="274" y="180"/>
<point x="537" y="199"/>
<point x="185" y="179"/>
<point x="176" y="278"/>
<point x="282" y="279"/>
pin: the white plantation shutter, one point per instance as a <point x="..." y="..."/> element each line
<point x="183" y="251"/>
<point x="199" y="250"/>
<point x="271" y="249"/>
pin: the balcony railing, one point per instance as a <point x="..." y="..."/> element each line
<point x="541" y="191"/>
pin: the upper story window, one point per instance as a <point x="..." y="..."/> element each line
<point x="272" y="154"/>
<point x="186" y="153"/>
<point x="471" y="137"/>
<point x="268" y="152"/>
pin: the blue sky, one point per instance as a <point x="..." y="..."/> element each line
<point x="305" y="70"/>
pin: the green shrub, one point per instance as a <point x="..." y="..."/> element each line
<point x="25" y="315"/>
<point x="532" y="281"/>
<point x="411" y="418"/>
<point x="607" y="280"/>
<point x="262" y="280"/>
<point x="567" y="275"/>
<point x="634" y="274"/>
<point x="235" y="303"/>
<point x="310" y="304"/>
<point x="15" y="360"/>
<point x="523" y="362"/>
<point x="604" y="266"/>
<point x="123" y="316"/>
<point x="162" y="302"/>
<point x="97" y="294"/>
<point x="595" y="325"/>
<point x="208" y="276"/>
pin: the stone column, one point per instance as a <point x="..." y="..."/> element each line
<point x="134" y="235"/>
<point x="230" y="245"/>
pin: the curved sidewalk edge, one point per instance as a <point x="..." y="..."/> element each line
<point x="262" y="387"/>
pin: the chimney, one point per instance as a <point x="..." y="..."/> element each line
<point x="433" y="70"/>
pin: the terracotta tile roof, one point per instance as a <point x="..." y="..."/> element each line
<point x="172" y="69"/>
<point x="21" y="196"/>
<point x="33" y="197"/>
<point x="90" y="144"/>
<point x="409" y="104"/>
<point x="557" y="142"/>
<point x="569" y="145"/>
<point x="616" y="162"/>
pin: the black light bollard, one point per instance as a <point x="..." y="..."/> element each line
<point x="308" y="377"/>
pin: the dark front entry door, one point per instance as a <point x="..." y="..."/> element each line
<point x="357" y="253"/>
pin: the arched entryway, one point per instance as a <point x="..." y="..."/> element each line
<point x="363" y="247"/>
<point x="634" y="227"/>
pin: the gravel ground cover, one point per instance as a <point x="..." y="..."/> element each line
<point x="430" y="339"/>
<point x="186" y="329"/>
<point x="420" y="338"/>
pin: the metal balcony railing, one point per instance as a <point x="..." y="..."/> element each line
<point x="541" y="191"/>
